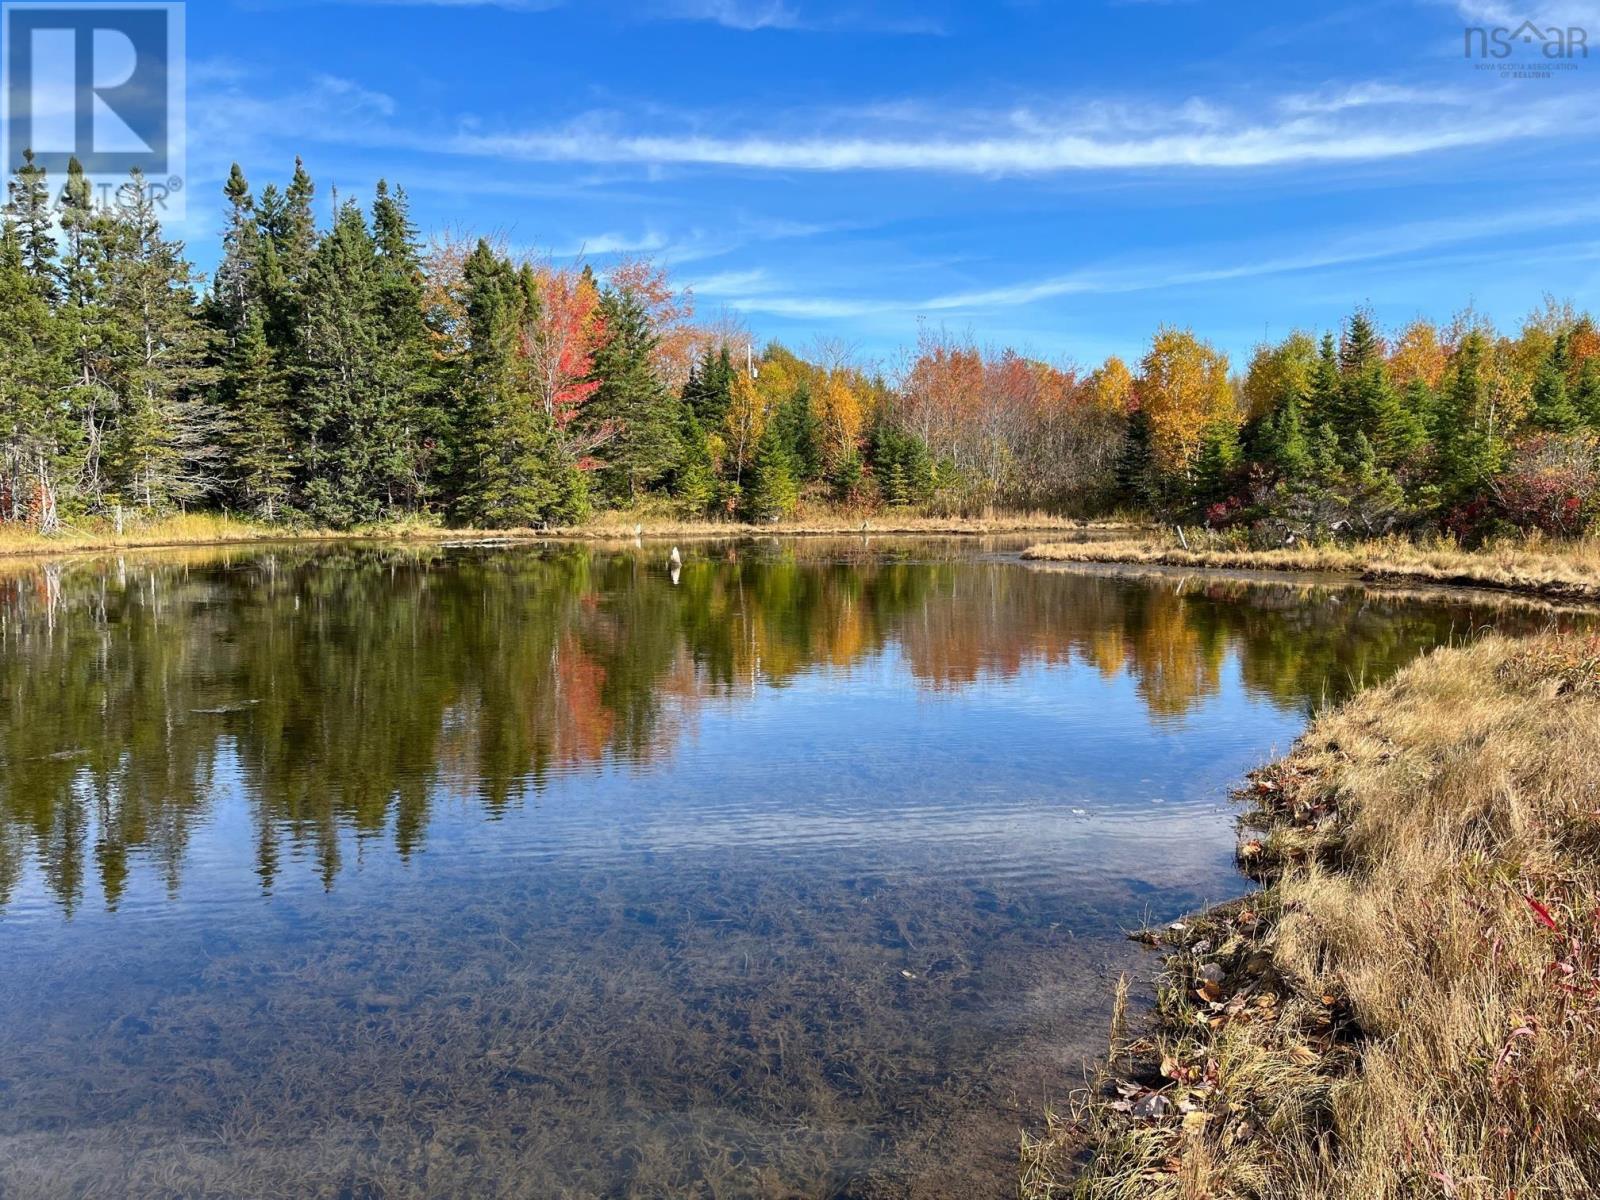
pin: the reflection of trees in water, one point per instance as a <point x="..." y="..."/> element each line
<point x="347" y="687"/>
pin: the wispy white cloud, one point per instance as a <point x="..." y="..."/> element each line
<point x="1511" y="13"/>
<point x="786" y="14"/>
<point x="1345" y="127"/>
<point x="1399" y="242"/>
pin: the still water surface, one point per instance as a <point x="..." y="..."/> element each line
<point x="377" y="872"/>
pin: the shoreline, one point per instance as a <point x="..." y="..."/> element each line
<point x="208" y="531"/>
<point x="1422" y="955"/>
<point x="1557" y="571"/>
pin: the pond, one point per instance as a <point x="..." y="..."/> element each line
<point x="803" y="871"/>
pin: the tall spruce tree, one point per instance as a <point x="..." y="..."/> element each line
<point x="770" y="491"/>
<point x="164" y="448"/>
<point x="28" y="212"/>
<point x="236" y="290"/>
<point x="34" y="426"/>
<point x="256" y="431"/>
<point x="630" y="398"/>
<point x="709" y="391"/>
<point x="416" y="422"/>
<point x="512" y="468"/>
<point x="346" y="387"/>
<point x="88" y="244"/>
<point x="1553" y="408"/>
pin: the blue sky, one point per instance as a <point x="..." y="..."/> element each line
<point x="1061" y="177"/>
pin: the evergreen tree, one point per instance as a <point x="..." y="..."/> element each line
<point x="709" y="390"/>
<point x="1395" y="427"/>
<point x="1217" y="466"/>
<point x="260" y="452"/>
<point x="1326" y="400"/>
<point x="416" y="421"/>
<point x="1288" y="448"/>
<point x="346" y="386"/>
<point x="846" y="477"/>
<point x="236" y="289"/>
<point x="28" y="213"/>
<point x="800" y="432"/>
<point x="630" y="399"/>
<point x="1360" y="347"/>
<point x="289" y="240"/>
<point x="1134" y="470"/>
<point x="1586" y="392"/>
<point x="33" y="422"/>
<point x="87" y="240"/>
<point x="163" y="448"/>
<point x="696" y="483"/>
<point x="1553" y="409"/>
<point x="902" y="465"/>
<point x="513" y="471"/>
<point x="1469" y="446"/>
<point x="770" y="492"/>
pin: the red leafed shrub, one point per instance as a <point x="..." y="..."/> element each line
<point x="1224" y="513"/>
<point x="1551" y="484"/>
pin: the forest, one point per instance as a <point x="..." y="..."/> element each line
<point x="354" y="374"/>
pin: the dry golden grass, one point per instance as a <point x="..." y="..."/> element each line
<point x="198" y="529"/>
<point x="1569" y="570"/>
<point x="1411" y="1005"/>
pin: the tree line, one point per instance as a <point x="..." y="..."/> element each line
<point x="347" y="374"/>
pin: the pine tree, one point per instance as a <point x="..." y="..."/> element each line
<point x="631" y="399"/>
<point x="1359" y="347"/>
<point x="1395" y="427"/>
<point x="1289" y="450"/>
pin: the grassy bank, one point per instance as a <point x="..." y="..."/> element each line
<point x="204" y="529"/>
<point x="1410" y="1006"/>
<point x="1566" y="570"/>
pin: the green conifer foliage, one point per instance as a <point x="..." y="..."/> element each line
<point x="631" y="400"/>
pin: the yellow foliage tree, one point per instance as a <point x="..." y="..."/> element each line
<point x="1111" y="386"/>
<point x="748" y="409"/>
<point x="841" y="413"/>
<point x="1279" y="371"/>
<point x="1184" y="389"/>
<point x="1419" y="353"/>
